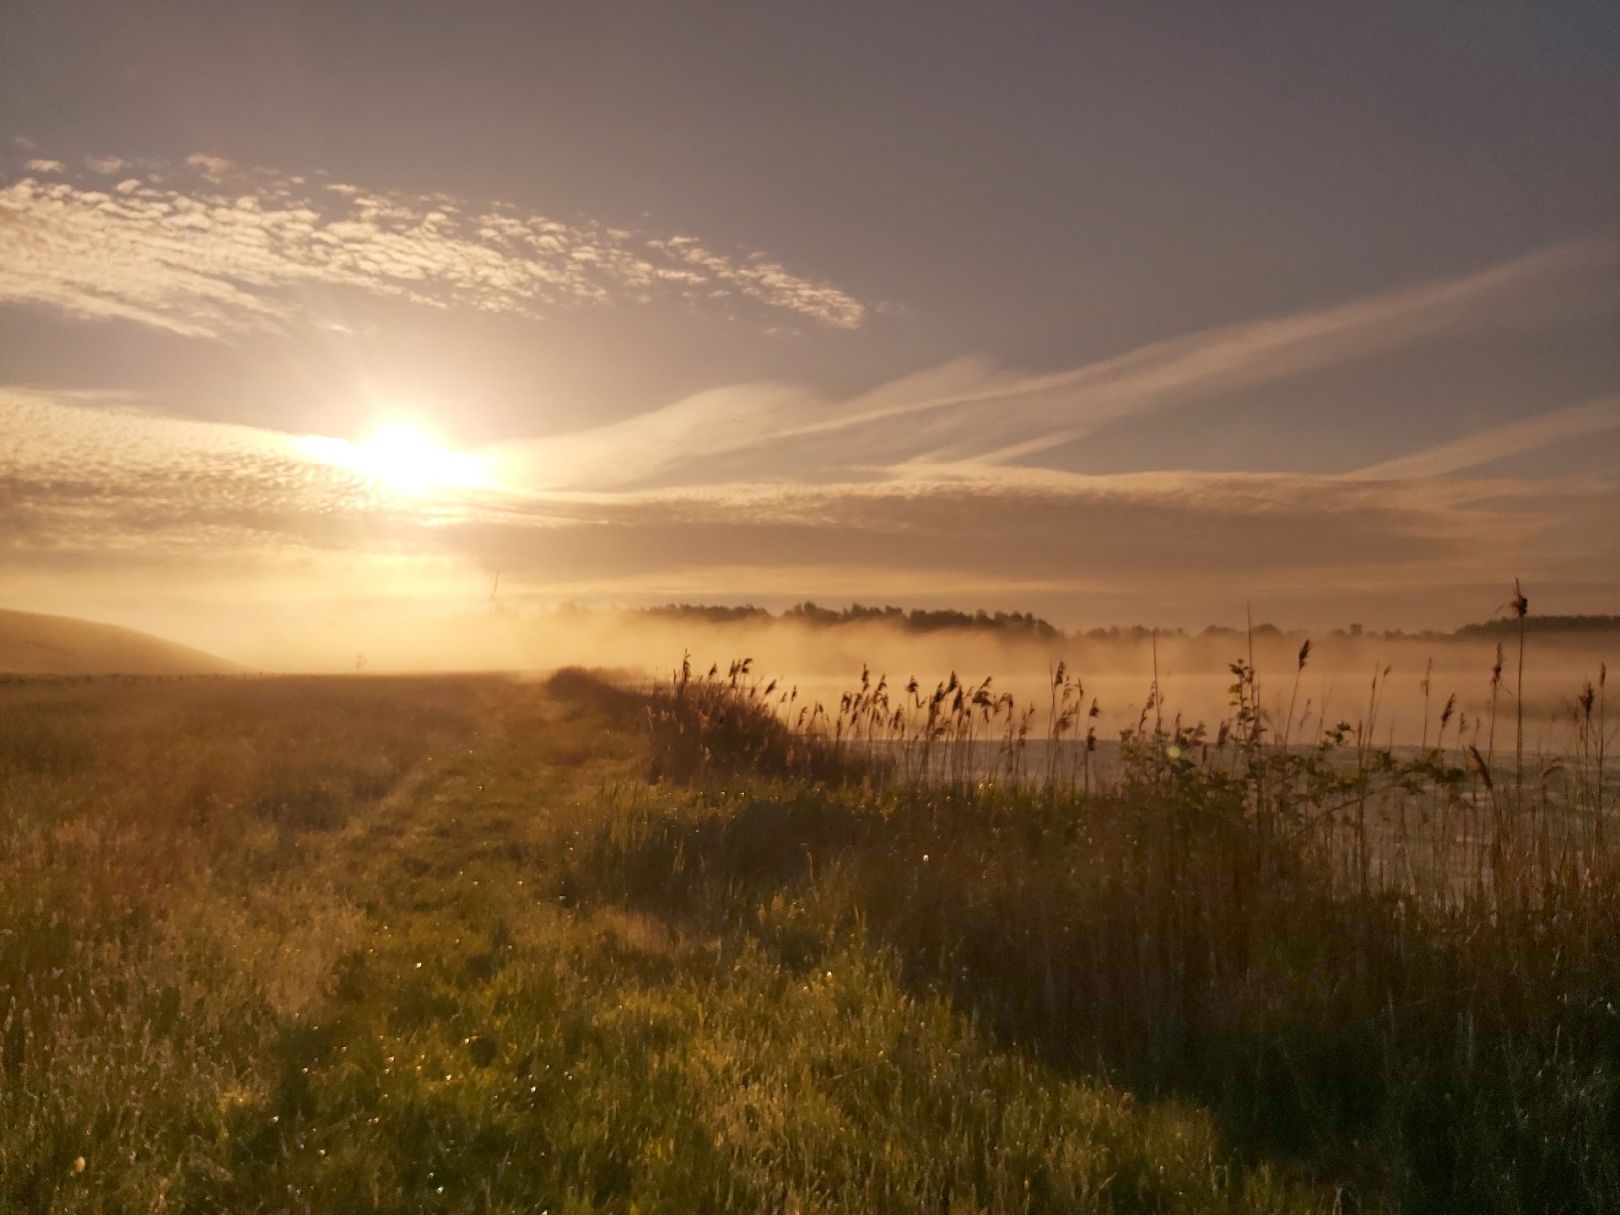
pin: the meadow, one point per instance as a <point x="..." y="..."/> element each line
<point x="475" y="943"/>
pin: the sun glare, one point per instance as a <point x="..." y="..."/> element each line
<point x="405" y="458"/>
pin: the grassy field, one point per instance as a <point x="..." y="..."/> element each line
<point x="440" y="944"/>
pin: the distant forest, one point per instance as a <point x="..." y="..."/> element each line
<point x="1542" y="624"/>
<point x="916" y="620"/>
<point x="1026" y="625"/>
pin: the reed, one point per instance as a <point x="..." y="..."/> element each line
<point x="1360" y="955"/>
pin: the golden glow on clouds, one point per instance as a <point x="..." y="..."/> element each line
<point x="763" y="487"/>
<point x="92" y="496"/>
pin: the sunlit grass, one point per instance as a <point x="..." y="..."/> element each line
<point x="439" y="944"/>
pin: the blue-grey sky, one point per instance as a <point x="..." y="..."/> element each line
<point x="1116" y="311"/>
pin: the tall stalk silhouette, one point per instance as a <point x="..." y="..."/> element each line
<point x="1521" y="609"/>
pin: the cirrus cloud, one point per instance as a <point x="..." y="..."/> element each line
<point x="207" y="249"/>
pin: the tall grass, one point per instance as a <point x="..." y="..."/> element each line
<point x="164" y="929"/>
<point x="1385" y="966"/>
<point x="342" y="945"/>
<point x="439" y="944"/>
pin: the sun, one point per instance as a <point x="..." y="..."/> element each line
<point x="409" y="459"/>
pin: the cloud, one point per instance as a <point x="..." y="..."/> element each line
<point x="687" y="433"/>
<point x="96" y="483"/>
<point x="1191" y="528"/>
<point x="771" y="488"/>
<point x="207" y="249"/>
<point x="92" y="492"/>
<point x="1499" y="442"/>
<point x="1016" y="414"/>
<point x="971" y="410"/>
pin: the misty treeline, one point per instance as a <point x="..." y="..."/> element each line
<point x="1506" y="625"/>
<point x="916" y="620"/>
<point x="1027" y="625"/>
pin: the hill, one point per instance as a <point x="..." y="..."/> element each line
<point x="35" y="644"/>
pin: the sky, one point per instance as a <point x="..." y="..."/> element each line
<point x="1118" y="313"/>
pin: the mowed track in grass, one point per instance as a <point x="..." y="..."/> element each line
<point x="337" y="945"/>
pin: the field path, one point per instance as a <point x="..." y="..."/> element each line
<point x="418" y="1079"/>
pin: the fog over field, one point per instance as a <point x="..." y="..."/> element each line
<point x="1116" y="666"/>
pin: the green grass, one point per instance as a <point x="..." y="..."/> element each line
<point x="439" y="945"/>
